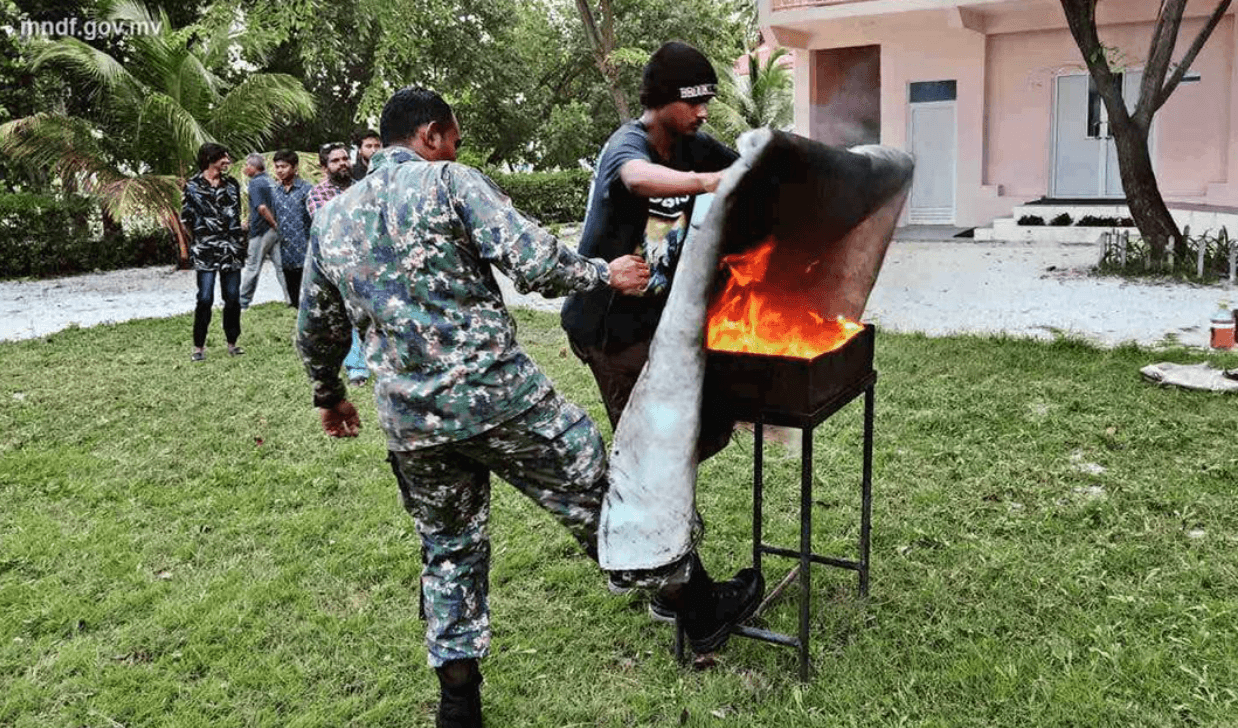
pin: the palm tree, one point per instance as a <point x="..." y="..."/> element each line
<point x="149" y="114"/>
<point x="760" y="98"/>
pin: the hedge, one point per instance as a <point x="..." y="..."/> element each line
<point x="46" y="235"/>
<point x="550" y="197"/>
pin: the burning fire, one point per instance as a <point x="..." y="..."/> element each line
<point x="754" y="315"/>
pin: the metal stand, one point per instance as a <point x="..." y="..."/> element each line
<point x="807" y="423"/>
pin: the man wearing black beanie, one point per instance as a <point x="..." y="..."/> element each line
<point x="646" y="182"/>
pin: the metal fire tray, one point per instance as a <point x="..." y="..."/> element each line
<point x="790" y="391"/>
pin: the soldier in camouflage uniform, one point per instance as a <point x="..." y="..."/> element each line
<point x="406" y="255"/>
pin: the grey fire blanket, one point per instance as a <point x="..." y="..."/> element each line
<point x="1192" y="376"/>
<point x="835" y="208"/>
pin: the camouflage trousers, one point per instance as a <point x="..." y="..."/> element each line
<point x="552" y="453"/>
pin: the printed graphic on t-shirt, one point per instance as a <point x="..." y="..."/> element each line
<point x="664" y="235"/>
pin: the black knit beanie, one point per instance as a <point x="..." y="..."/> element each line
<point x="677" y="72"/>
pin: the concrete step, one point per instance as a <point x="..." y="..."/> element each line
<point x="1076" y="212"/>
<point x="1009" y="229"/>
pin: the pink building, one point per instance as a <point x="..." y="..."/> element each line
<point x="994" y="100"/>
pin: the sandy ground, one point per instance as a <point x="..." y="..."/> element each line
<point x="930" y="285"/>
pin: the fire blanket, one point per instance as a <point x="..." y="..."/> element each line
<point x="838" y="208"/>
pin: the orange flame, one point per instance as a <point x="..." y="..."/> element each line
<point x="752" y="315"/>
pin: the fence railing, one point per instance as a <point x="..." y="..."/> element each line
<point x="1210" y="256"/>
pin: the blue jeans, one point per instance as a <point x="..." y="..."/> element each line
<point x="230" y="288"/>
<point x="354" y="363"/>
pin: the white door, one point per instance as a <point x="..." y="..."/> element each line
<point x="933" y="144"/>
<point x="1085" y="159"/>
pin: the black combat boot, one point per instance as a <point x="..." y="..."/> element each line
<point x="711" y="610"/>
<point x="459" y="704"/>
<point x="714" y="609"/>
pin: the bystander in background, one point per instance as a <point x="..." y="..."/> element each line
<point x="263" y="230"/>
<point x="211" y="211"/>
<point x="337" y="177"/>
<point x="289" y="196"/>
<point x="368" y="142"/>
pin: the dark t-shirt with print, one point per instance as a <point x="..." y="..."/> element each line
<point x="619" y="222"/>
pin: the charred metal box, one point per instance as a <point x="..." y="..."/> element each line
<point x="790" y="391"/>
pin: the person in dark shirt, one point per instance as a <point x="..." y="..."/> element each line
<point x="368" y="142"/>
<point x="263" y="232"/>
<point x="647" y="179"/>
<point x="641" y="201"/>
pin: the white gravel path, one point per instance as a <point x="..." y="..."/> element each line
<point x="937" y="287"/>
<point x="29" y="309"/>
<point x="947" y="287"/>
<point x="1033" y="290"/>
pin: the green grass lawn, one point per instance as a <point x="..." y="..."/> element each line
<point x="1055" y="542"/>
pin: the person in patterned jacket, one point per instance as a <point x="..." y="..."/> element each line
<point x="407" y="255"/>
<point x="211" y="211"/>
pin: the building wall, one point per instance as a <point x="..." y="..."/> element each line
<point x="1190" y="132"/>
<point x="846" y="96"/>
<point x="918" y="46"/>
<point x="938" y="54"/>
<point x="1004" y="109"/>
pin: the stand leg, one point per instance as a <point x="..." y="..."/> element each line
<point x="758" y="467"/>
<point x="805" y="546"/>
<point x="866" y="490"/>
<point x="680" y="641"/>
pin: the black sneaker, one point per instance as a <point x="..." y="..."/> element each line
<point x="729" y="603"/>
<point x="460" y="706"/>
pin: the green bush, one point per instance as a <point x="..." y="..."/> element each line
<point x="1062" y="220"/>
<point x="1103" y="221"/>
<point x="1030" y="220"/>
<point x="45" y="235"/>
<point x="549" y="197"/>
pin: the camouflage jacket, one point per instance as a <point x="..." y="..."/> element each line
<point x="406" y="255"/>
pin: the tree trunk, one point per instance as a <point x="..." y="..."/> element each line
<point x="1130" y="132"/>
<point x="181" y="235"/>
<point x="602" y="42"/>
<point x="1143" y="195"/>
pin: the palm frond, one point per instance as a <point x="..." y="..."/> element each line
<point x="199" y="90"/>
<point x="760" y="98"/>
<point x="66" y="145"/>
<point x="244" y="117"/>
<point x="134" y="12"/>
<point x="182" y="133"/>
<point x="70" y="148"/>
<point x="143" y="195"/>
<point x="90" y="63"/>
